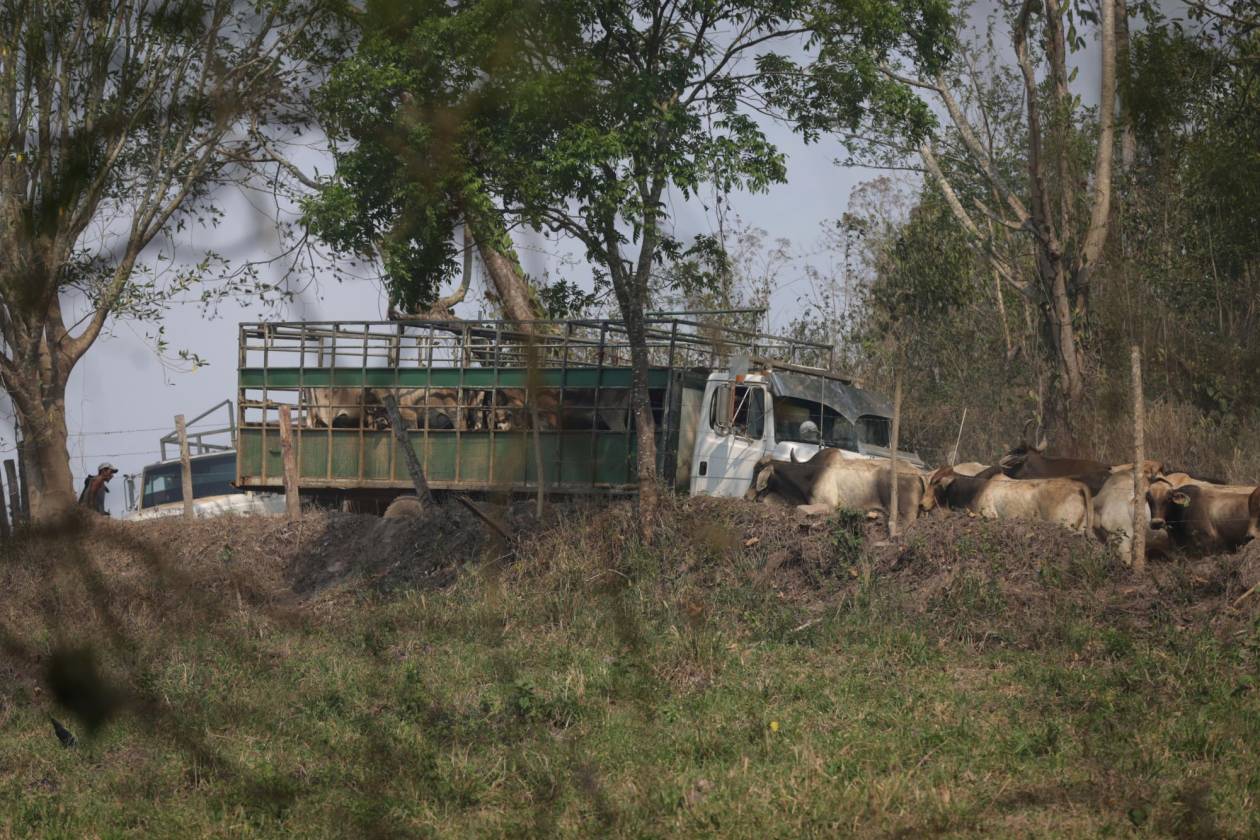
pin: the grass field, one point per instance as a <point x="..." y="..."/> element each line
<point x="590" y="686"/>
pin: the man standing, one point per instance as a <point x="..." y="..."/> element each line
<point x="95" y="487"/>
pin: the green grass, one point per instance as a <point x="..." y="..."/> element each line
<point x="579" y="700"/>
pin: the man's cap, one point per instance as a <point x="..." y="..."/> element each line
<point x="106" y="466"/>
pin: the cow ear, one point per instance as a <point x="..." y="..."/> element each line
<point x="1180" y="498"/>
<point x="762" y="479"/>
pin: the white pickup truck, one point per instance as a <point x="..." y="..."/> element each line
<point x="777" y="413"/>
<point x="160" y="490"/>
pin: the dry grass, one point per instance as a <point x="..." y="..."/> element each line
<point x="754" y="673"/>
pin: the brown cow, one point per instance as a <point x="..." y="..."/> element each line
<point x="339" y="408"/>
<point x="1113" y="510"/>
<point x="431" y="408"/>
<point x="510" y="409"/>
<point x="1029" y="461"/>
<point x="1062" y="500"/>
<point x="831" y="480"/>
<point x="1205" y="516"/>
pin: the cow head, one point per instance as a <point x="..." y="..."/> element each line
<point x="927" y="500"/>
<point x="761" y="479"/>
<point x="1168" y="504"/>
<point x="934" y="488"/>
<point x="1019" y="454"/>
<point x="339" y="408"/>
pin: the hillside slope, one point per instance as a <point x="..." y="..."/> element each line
<point x="756" y="672"/>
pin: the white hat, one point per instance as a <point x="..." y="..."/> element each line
<point x="106" y="466"/>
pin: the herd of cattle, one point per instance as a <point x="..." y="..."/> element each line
<point x="502" y="409"/>
<point x="1089" y="497"/>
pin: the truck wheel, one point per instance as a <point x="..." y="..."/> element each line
<point x="404" y="506"/>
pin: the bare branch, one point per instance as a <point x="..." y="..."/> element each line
<point x="982" y="243"/>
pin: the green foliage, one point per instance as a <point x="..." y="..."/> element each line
<point x="577" y="117"/>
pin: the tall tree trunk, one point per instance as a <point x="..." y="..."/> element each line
<point x="51" y="484"/>
<point x="630" y="287"/>
<point x="645" y="424"/>
<point x="1066" y="343"/>
<point x="516" y="298"/>
<point x="1128" y="138"/>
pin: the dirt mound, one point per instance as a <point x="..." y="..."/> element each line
<point x="388" y="553"/>
<point x="1011" y="582"/>
<point x="324" y="549"/>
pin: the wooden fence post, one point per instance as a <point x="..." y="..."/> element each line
<point x="186" y="462"/>
<point x="24" y="491"/>
<point x="953" y="459"/>
<point x="896" y="434"/>
<point x="4" y="519"/>
<point x="413" y="463"/>
<point x="1139" y="458"/>
<point x="533" y="388"/>
<point x="292" y="502"/>
<point x="15" y="494"/>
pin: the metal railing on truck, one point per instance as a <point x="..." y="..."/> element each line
<point x="474" y="393"/>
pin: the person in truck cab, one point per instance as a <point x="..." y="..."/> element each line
<point x="95" y="487"/>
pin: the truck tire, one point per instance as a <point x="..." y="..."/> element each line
<point x="404" y="506"/>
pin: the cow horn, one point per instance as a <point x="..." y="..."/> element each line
<point x="1023" y="435"/>
<point x="792" y="455"/>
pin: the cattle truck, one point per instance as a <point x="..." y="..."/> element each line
<point x="495" y="407"/>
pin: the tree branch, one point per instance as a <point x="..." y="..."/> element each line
<point x="1100" y="210"/>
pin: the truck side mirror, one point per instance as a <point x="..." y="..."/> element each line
<point x="722" y="408"/>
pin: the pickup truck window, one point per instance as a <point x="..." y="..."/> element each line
<point x="749" y="418"/>
<point x="790" y="413"/>
<point x="875" y="430"/>
<point x="211" y="477"/>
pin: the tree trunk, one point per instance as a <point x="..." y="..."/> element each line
<point x="630" y="288"/>
<point x="516" y="298"/>
<point x="1064" y="340"/>
<point x="48" y="460"/>
<point x="1128" y="139"/>
<point x="645" y="423"/>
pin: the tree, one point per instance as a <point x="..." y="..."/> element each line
<point x="405" y="116"/>
<point x="580" y="117"/>
<point x="1061" y="202"/>
<point x="118" y="119"/>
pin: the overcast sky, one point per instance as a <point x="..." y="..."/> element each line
<point x="122" y="397"/>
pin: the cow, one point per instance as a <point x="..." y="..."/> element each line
<point x="974" y="468"/>
<point x="339" y="408"/>
<point x="1209" y="517"/>
<point x="1253" y="514"/>
<point x="429" y="408"/>
<point x="1113" y="510"/>
<point x="1063" y="500"/>
<point x="830" y="480"/>
<point x="510" y="409"/>
<point x="1028" y="461"/>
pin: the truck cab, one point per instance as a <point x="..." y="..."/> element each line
<point x="745" y="417"/>
<point x="158" y="490"/>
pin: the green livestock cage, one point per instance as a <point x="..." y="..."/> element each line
<point x="486" y="402"/>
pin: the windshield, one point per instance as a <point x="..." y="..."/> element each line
<point x="876" y="431"/>
<point x="211" y="476"/>
<point x="791" y="414"/>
